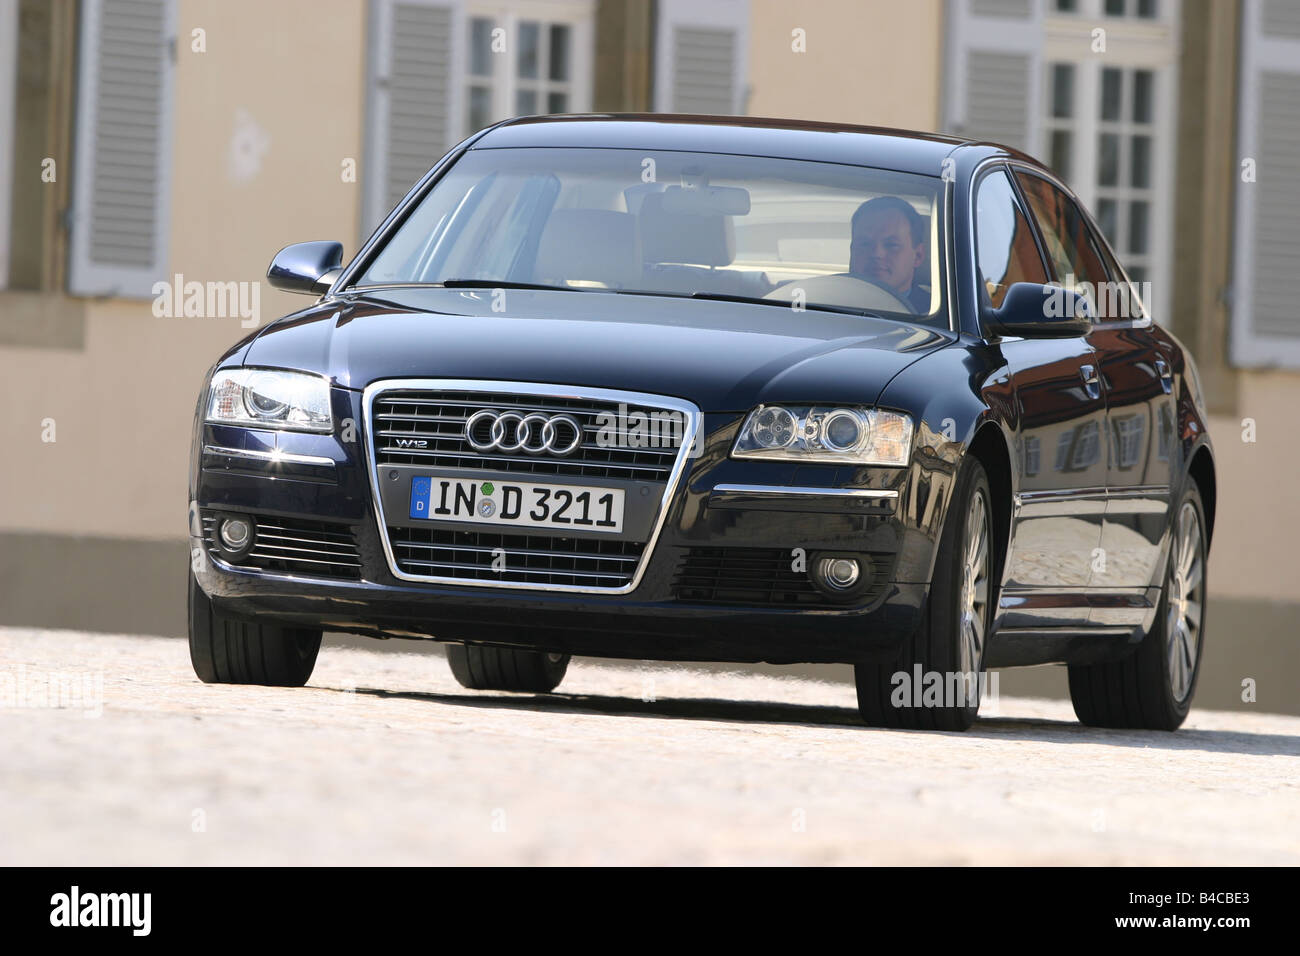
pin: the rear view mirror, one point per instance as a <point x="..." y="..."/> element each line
<point x="308" y="267"/>
<point x="706" y="201"/>
<point x="1030" y="310"/>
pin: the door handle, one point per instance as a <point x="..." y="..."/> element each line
<point x="1091" y="380"/>
<point x="1166" y="376"/>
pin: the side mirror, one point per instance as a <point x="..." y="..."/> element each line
<point x="308" y="267"/>
<point x="1034" y="311"/>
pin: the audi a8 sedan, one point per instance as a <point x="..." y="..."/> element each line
<point x="716" y="389"/>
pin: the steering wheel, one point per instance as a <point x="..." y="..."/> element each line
<point x="843" y="288"/>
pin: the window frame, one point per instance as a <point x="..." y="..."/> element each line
<point x="504" y="82"/>
<point x="1133" y="43"/>
<point x="998" y="165"/>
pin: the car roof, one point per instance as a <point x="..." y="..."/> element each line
<point x="903" y="150"/>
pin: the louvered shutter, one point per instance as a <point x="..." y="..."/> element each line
<point x="122" y="152"/>
<point x="1266" y="269"/>
<point x="701" y="60"/>
<point x="994" y="71"/>
<point x="414" y="108"/>
<point x="8" y="54"/>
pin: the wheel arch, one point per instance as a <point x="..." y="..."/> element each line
<point x="989" y="447"/>
<point x="1201" y="471"/>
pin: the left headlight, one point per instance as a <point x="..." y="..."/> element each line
<point x="270" y="398"/>
<point x="862" y="436"/>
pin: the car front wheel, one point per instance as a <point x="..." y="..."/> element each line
<point x="934" y="681"/>
<point x="506" y="668"/>
<point x="1152" y="688"/>
<point x="225" y="650"/>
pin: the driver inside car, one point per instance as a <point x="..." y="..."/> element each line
<point x="888" y="246"/>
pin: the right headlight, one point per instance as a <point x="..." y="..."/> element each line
<point x="852" y="434"/>
<point x="270" y="398"/>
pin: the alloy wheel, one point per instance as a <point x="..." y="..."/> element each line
<point x="973" y="604"/>
<point x="1185" y="601"/>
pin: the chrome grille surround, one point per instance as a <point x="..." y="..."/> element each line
<point x="552" y="398"/>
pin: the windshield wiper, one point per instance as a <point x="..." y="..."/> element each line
<point x="758" y="300"/>
<point x="502" y="284"/>
<point x="732" y="297"/>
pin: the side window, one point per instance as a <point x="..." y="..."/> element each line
<point x="1076" y="262"/>
<point x="1124" y="298"/>
<point x="1005" y="247"/>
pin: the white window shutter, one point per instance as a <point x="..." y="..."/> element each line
<point x="122" y="153"/>
<point x="415" y="108"/>
<point x="701" y="56"/>
<point x="1266" y="265"/>
<point x="994" y="79"/>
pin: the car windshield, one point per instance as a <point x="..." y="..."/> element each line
<point x="783" y="232"/>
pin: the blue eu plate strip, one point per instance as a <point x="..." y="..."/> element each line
<point x="420" y="489"/>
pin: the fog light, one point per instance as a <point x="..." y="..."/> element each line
<point x="844" y="577"/>
<point x="839" y="573"/>
<point x="236" y="535"/>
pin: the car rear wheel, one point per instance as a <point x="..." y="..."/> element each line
<point x="225" y="650"/>
<point x="506" y="668"/>
<point x="934" y="681"/>
<point x="1152" y="688"/>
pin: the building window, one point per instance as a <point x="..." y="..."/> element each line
<point x="522" y="65"/>
<point x="1124" y="149"/>
<point x="1130" y="435"/>
<point x="1107" y="122"/>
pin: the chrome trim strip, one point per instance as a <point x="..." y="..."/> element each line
<point x="1066" y="494"/>
<point x="270" y="457"/>
<point x="692" y="413"/>
<point x="1138" y="491"/>
<point x="782" y="491"/>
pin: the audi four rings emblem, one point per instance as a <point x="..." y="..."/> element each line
<point x="533" y="434"/>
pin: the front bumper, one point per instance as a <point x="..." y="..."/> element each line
<point x="716" y="505"/>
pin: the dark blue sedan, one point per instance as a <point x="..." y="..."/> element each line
<point x="716" y="389"/>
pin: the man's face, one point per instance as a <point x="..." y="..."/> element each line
<point x="883" y="250"/>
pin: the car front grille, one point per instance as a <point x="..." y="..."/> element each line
<point x="762" y="577"/>
<point x="515" y="558"/>
<point x="295" y="546"/>
<point x="439" y="418"/>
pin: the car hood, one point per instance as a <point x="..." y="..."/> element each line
<point x="723" y="356"/>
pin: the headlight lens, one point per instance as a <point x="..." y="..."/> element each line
<point x="862" y="436"/>
<point x="270" y="398"/>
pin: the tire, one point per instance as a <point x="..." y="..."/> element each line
<point x="1152" y="688"/>
<point x="506" y="668"/>
<point x="225" y="650"/>
<point x="952" y="635"/>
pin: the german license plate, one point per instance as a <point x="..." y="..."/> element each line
<point x="522" y="504"/>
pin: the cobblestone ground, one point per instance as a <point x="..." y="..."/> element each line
<point x="385" y="759"/>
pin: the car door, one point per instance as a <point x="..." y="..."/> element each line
<point x="1137" y="380"/>
<point x="1060" y="414"/>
